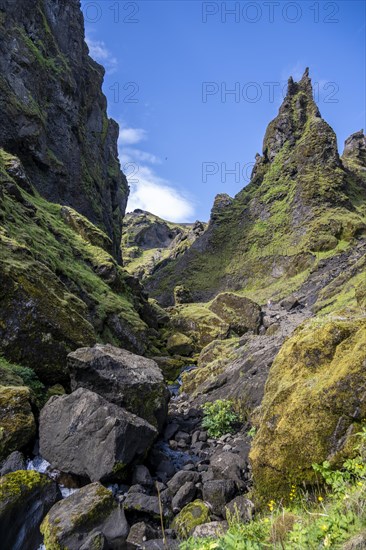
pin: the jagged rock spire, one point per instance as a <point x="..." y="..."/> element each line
<point x="294" y="112"/>
<point x="355" y="148"/>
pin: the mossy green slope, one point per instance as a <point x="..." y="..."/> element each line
<point x="60" y="290"/>
<point x="301" y="203"/>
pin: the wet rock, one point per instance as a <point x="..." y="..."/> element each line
<point x="184" y="495"/>
<point x="85" y="435"/>
<point x="13" y="463"/>
<point x="17" y="424"/>
<point x="90" y="514"/>
<point x="25" y="498"/>
<point x="218" y="493"/>
<point x="171" y="430"/>
<point x="123" y="378"/>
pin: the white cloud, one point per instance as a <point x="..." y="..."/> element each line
<point x="152" y="193"/>
<point x="148" y="191"/>
<point x="131" y="136"/>
<point x="99" y="51"/>
<point x="130" y="154"/>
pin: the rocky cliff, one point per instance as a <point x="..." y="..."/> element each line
<point x="149" y="242"/>
<point x="303" y="203"/>
<point x="62" y="197"/>
<point x="53" y="114"/>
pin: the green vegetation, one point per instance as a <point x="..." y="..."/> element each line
<point x="328" y="517"/>
<point x="219" y="417"/>
<point x="16" y="375"/>
<point x="52" y="258"/>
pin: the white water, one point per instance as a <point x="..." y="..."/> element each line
<point x="39" y="464"/>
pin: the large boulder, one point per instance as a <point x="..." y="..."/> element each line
<point x="17" y="425"/>
<point x="123" y="378"/>
<point x="25" y="498"/>
<point x="242" y="314"/>
<point x="313" y="405"/>
<point x="89" y="518"/>
<point x="85" y="435"/>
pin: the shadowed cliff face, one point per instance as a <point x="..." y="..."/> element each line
<point x="53" y="113"/>
<point x="303" y="201"/>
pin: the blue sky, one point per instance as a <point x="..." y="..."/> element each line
<point x="170" y="66"/>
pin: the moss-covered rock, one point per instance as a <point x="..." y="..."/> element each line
<point x="195" y="513"/>
<point x="86" y="229"/>
<point x="17" y="424"/>
<point x="198" y="323"/>
<point x="74" y="522"/>
<point x="242" y="314"/>
<point x="25" y="498"/>
<point x="179" y="344"/>
<point x="313" y="404"/>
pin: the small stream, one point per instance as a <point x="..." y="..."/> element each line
<point x="175" y="387"/>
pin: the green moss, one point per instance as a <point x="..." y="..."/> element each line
<point x="15" y="485"/>
<point x="55" y="257"/>
<point x="211" y="363"/>
<point x="307" y="414"/>
<point x="195" y="513"/>
<point x="199" y="323"/>
<point x="179" y="344"/>
<point x="17" y="422"/>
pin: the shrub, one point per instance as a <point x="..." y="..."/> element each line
<point x="219" y="417"/>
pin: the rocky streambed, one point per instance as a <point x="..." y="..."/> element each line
<point x="119" y="458"/>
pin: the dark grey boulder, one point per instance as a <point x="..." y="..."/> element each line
<point x="240" y="507"/>
<point x="123" y="378"/>
<point x="142" y="476"/>
<point x="230" y="466"/>
<point x="85" y="435"/>
<point x="25" y="498"/>
<point x="141" y="503"/>
<point x="141" y="532"/>
<point x="184" y="496"/>
<point x="13" y="463"/>
<point x="218" y="493"/>
<point x="180" y="478"/>
<point x="89" y="516"/>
